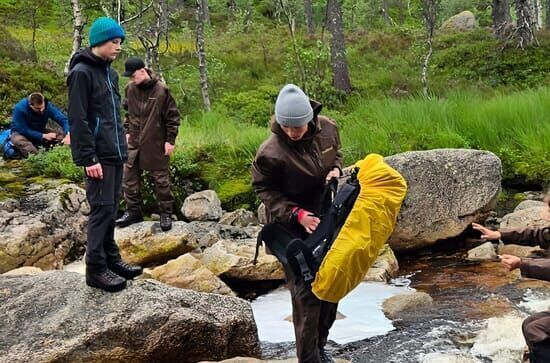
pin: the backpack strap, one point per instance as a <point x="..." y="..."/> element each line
<point x="329" y="190"/>
<point x="259" y="241"/>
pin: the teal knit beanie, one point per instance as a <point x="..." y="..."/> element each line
<point x="104" y="29"/>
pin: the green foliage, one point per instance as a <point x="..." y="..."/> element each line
<point x="12" y="49"/>
<point x="474" y="57"/>
<point x="19" y="79"/>
<point x="55" y="163"/>
<point x="251" y="107"/>
<point x="237" y="193"/>
<point x="513" y="126"/>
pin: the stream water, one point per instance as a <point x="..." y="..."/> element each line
<point x="476" y="315"/>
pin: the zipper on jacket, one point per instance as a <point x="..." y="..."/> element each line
<point x="316" y="158"/>
<point x="110" y="85"/>
<point x="97" y="126"/>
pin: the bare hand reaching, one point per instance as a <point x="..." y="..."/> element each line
<point x="486" y="233"/>
<point x="511" y="262"/>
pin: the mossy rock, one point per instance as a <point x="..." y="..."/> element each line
<point x="236" y="193"/>
<point x="7" y="177"/>
<point x="16" y="188"/>
<point x="519" y="197"/>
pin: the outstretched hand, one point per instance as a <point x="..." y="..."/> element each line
<point x="510" y="262"/>
<point x="486" y="233"/>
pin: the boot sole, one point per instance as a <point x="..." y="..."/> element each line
<point x="108" y="288"/>
<point x="126" y="224"/>
<point x="128" y="276"/>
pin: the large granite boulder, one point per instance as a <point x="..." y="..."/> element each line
<point x="400" y="305"/>
<point x="208" y="233"/>
<point x="188" y="272"/>
<point x="448" y="189"/>
<point x="385" y="267"/>
<point x="234" y="259"/>
<point x="44" y="230"/>
<point x="55" y="316"/>
<point x="239" y="218"/>
<point x="460" y="22"/>
<point x="528" y="213"/>
<point x="145" y="242"/>
<point x="202" y="206"/>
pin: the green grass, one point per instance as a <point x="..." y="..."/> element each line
<point x="514" y="126"/>
<point x="484" y="98"/>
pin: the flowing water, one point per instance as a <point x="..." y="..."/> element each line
<point x="476" y="315"/>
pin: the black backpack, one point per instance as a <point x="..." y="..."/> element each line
<point x="303" y="257"/>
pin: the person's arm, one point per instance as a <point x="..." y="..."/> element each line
<point x="19" y="120"/>
<point x="55" y="114"/>
<point x="171" y="118"/>
<point x="126" y="122"/>
<point x="535" y="268"/>
<point x="265" y="174"/>
<point x="528" y="236"/>
<point x="82" y="139"/>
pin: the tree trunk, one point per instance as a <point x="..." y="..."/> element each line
<point x="205" y="12"/>
<point x="203" y="74"/>
<point x="537" y="4"/>
<point x="548" y="14"/>
<point x="340" y="72"/>
<point x="430" y="16"/>
<point x="34" y="24"/>
<point x="232" y="7"/>
<point x="78" y="25"/>
<point x="501" y="17"/>
<point x="401" y="12"/>
<point x="526" y="23"/>
<point x="385" y="11"/>
<point x="289" y="17"/>
<point x="308" y="10"/>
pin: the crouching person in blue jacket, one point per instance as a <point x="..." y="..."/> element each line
<point x="28" y="125"/>
<point x="99" y="145"/>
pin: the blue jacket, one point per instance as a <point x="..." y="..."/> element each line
<point x="31" y="124"/>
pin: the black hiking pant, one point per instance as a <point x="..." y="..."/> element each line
<point x="103" y="196"/>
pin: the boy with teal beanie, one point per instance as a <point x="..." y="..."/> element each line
<point x="104" y="29"/>
<point x="98" y="144"/>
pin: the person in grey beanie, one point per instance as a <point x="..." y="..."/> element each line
<point x="289" y="174"/>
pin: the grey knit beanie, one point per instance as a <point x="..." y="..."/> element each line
<point x="292" y="108"/>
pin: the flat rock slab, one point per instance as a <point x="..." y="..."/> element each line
<point x="55" y="316"/>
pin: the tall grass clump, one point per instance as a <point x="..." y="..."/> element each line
<point x="514" y="126"/>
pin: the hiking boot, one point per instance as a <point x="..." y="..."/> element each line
<point x="165" y="222"/>
<point x="325" y="356"/>
<point x="128" y="218"/>
<point x="125" y="270"/>
<point x="106" y="280"/>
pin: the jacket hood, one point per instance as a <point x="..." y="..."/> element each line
<point x="150" y="82"/>
<point x="314" y="125"/>
<point x="85" y="55"/>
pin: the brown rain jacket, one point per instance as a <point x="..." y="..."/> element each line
<point x="152" y="119"/>
<point x="288" y="174"/>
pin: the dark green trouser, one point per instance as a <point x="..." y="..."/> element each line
<point x="132" y="189"/>
<point x="312" y="320"/>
